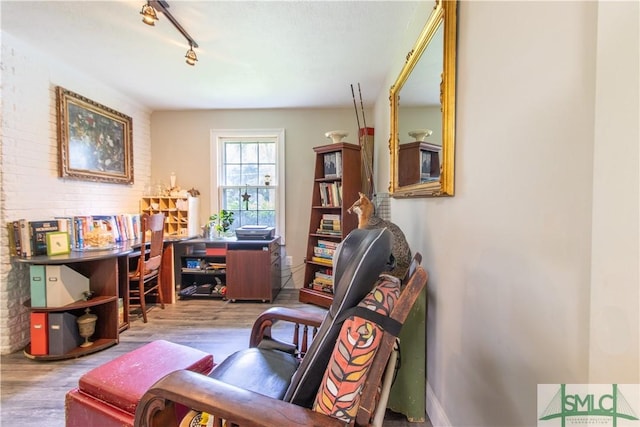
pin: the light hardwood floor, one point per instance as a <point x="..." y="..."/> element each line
<point x="32" y="392"/>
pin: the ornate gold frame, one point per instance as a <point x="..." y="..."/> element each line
<point x="444" y="13"/>
<point x="94" y="141"/>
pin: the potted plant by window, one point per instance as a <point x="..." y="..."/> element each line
<point x="221" y="222"/>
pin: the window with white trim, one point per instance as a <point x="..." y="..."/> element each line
<point x="250" y="164"/>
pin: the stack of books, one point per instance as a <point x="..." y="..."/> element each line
<point x="323" y="252"/>
<point x="330" y="224"/>
<point x="323" y="280"/>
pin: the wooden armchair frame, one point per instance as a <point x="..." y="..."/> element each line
<point x="245" y="408"/>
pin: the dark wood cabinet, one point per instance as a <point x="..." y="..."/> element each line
<point x="253" y="270"/>
<point x="337" y="182"/>
<point x="418" y="162"/>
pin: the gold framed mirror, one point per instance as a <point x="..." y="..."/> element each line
<point x="422" y="139"/>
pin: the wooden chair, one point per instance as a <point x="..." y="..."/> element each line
<point x="146" y="278"/>
<point x="241" y="406"/>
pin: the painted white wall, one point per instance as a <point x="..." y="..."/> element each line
<point x="182" y="141"/>
<point x="614" y="345"/>
<point x="516" y="296"/>
<point x="31" y="188"/>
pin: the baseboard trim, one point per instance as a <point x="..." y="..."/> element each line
<point x="435" y="411"/>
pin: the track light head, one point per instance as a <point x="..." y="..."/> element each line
<point x="149" y="15"/>
<point x="191" y="56"/>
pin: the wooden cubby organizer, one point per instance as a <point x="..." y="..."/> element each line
<point x="181" y="213"/>
<point x="106" y="271"/>
<point x="333" y="193"/>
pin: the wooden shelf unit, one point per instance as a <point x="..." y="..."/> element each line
<point x="181" y="213"/>
<point x="350" y="183"/>
<point x="106" y="281"/>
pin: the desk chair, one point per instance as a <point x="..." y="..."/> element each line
<point x="146" y="278"/>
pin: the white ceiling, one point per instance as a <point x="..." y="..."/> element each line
<point x="252" y="54"/>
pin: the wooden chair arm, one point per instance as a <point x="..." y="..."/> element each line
<point x="262" y="326"/>
<point x="237" y="406"/>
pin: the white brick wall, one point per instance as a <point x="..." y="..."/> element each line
<point x="30" y="186"/>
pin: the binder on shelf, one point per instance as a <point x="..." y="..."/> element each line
<point x="37" y="281"/>
<point x="64" y="285"/>
<point x="39" y="332"/>
<point x="63" y="333"/>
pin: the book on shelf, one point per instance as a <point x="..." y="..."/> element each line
<point x="323" y="280"/>
<point x="321" y="260"/>
<point x="330" y="226"/>
<point x="332" y="217"/>
<point x="25" y="240"/>
<point x="324" y="274"/>
<point x="13" y="232"/>
<point x="38" y="235"/>
<point x="323" y="252"/>
<point x="336" y="233"/>
<point x="327" y="244"/>
<point x="321" y="287"/>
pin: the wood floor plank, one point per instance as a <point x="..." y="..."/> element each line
<point x="32" y="392"/>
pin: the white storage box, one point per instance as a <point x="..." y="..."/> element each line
<point x="65" y="285"/>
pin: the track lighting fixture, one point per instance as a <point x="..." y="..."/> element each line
<point x="191" y="56"/>
<point x="149" y="16"/>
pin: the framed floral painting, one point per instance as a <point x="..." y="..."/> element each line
<point x="94" y="141"/>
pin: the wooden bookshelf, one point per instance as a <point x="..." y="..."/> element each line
<point x="335" y="188"/>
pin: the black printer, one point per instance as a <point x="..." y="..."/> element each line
<point x="255" y="232"/>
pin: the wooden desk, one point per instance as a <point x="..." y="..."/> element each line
<point x="249" y="269"/>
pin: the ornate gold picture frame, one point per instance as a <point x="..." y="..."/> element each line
<point x="94" y="141"/>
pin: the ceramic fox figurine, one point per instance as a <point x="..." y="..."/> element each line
<point x="367" y="219"/>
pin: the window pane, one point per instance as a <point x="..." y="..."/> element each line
<point x="232" y="152"/>
<point x="249" y="152"/>
<point x="267" y="170"/>
<point x="266" y="199"/>
<point x="267" y="218"/>
<point x="267" y="151"/>
<point x="250" y="174"/>
<point x="232" y="175"/>
<point x="231" y="199"/>
<point x="249" y="217"/>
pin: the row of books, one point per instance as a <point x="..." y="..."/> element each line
<point x="330" y="193"/>
<point x="323" y="280"/>
<point x="29" y="238"/>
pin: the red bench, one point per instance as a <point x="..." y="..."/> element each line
<point x="109" y="394"/>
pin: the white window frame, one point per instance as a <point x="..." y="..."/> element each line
<point x="218" y="136"/>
